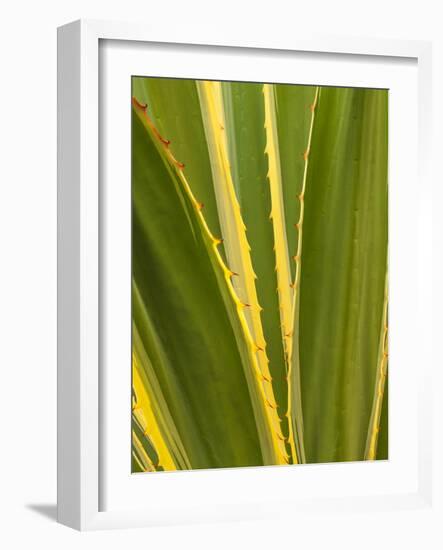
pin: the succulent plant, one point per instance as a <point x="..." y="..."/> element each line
<point x="259" y="281"/>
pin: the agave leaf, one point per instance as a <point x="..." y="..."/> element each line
<point x="285" y="287"/>
<point x="146" y="455"/>
<point x="177" y="268"/>
<point x="246" y="138"/>
<point x="277" y="215"/>
<point x="174" y="107"/>
<point x="153" y="404"/>
<point x="380" y="382"/>
<point x="295" y="412"/>
<point x="294" y="116"/>
<point x="344" y="268"/>
<point x="143" y="454"/>
<point x="383" y="439"/>
<point x="238" y="255"/>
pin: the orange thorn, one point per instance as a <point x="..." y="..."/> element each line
<point x="270" y="404"/>
<point x="233" y="274"/>
<point x="165" y="142"/>
<point x="181" y="166"/>
<point x="217" y="241"/>
<point x="143" y="107"/>
<point x="259" y="348"/>
<point x="296" y="258"/>
<point x="312" y="107"/>
<point x="137" y="103"/>
<point x="305" y="155"/>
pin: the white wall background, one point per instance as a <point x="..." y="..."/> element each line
<point x="28" y="261"/>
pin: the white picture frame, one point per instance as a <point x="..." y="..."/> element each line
<point x="82" y="435"/>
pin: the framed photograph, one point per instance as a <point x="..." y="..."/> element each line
<point x="243" y="267"/>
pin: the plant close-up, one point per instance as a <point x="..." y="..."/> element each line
<point x="259" y="274"/>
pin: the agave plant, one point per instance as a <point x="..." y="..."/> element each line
<point x="259" y="285"/>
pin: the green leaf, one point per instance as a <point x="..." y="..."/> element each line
<point x="204" y="377"/>
<point x="246" y="136"/>
<point x="148" y="360"/>
<point x="344" y="268"/>
<point x="293" y="105"/>
<point x="174" y="107"/>
<point x="371" y="450"/>
<point x="383" y="440"/>
<point x="237" y="248"/>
